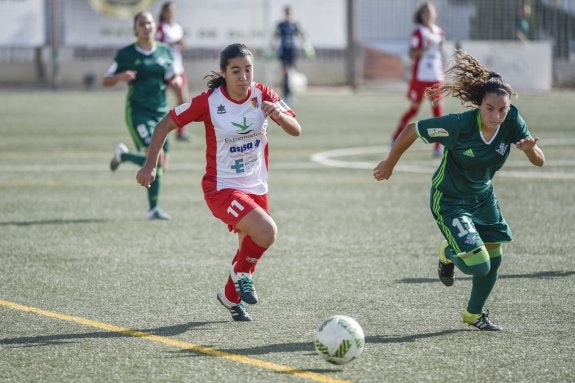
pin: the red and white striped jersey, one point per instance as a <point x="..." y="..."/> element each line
<point x="429" y="66"/>
<point x="236" y="137"/>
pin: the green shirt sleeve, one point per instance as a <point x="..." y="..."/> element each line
<point x="445" y="129"/>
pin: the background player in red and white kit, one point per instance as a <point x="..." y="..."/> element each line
<point x="426" y="51"/>
<point x="234" y="111"/>
<point x="172" y="33"/>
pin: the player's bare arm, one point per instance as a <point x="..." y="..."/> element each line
<point x="125" y="76"/>
<point x="384" y="169"/>
<point x="147" y="173"/>
<point x="288" y="123"/>
<point x="532" y="151"/>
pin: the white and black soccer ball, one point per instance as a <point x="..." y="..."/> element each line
<point x="339" y="339"/>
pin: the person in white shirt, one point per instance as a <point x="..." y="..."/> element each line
<point x="426" y="51"/>
<point x="172" y="33"/>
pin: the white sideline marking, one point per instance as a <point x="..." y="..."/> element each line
<point x="333" y="158"/>
<point x="57" y="168"/>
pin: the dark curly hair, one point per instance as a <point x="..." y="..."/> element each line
<point x="469" y="81"/>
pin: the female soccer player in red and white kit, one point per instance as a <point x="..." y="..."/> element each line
<point x="426" y="51"/>
<point x="172" y="33"/>
<point x="234" y="111"/>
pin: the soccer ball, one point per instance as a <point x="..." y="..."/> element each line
<point x="339" y="339"/>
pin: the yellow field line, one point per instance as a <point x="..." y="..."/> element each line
<point x="175" y="343"/>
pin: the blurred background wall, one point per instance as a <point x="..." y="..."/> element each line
<point x="358" y="43"/>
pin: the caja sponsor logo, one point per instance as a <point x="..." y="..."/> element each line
<point x="245" y="147"/>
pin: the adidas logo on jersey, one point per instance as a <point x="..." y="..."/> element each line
<point x="469" y="153"/>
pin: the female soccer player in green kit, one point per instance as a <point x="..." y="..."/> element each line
<point x="463" y="203"/>
<point x="147" y="67"/>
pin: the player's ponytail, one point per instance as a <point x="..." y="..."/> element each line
<point x="215" y="80"/>
<point x="469" y="81"/>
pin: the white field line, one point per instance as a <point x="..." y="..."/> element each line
<point x="337" y="158"/>
<point x="58" y="168"/>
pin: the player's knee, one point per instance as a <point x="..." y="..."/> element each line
<point x="495" y="257"/>
<point x="478" y="262"/>
<point x="481" y="270"/>
<point x="267" y="234"/>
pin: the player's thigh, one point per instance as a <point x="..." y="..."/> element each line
<point x="489" y="221"/>
<point x="459" y="229"/>
<point x="231" y="206"/>
<point x="259" y="225"/>
<point x="141" y="126"/>
<point x="416" y="92"/>
<point x="288" y="56"/>
<point x="454" y="218"/>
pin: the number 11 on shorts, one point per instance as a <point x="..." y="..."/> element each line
<point x="234" y="208"/>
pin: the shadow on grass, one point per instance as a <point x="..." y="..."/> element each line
<point x="309" y="347"/>
<point x="53" y="222"/>
<point x="409" y="338"/>
<point x="536" y="275"/>
<point x="50" y="340"/>
<point x="306" y="347"/>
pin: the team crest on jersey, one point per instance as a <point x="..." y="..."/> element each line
<point x="254" y="103"/>
<point x="182" y="107"/>
<point x="470" y="239"/>
<point x="501" y="149"/>
<point x="221" y="109"/>
<point x="437" y="132"/>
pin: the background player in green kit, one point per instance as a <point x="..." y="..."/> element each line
<point x="147" y="67"/>
<point x="477" y="144"/>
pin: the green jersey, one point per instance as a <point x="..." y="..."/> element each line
<point x="147" y="92"/>
<point x="469" y="161"/>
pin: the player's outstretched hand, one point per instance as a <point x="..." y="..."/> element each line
<point x="382" y="171"/>
<point x="127" y="76"/>
<point x="526" y="144"/>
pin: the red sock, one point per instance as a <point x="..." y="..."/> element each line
<point x="229" y="288"/>
<point x="245" y="261"/>
<point x="236" y="256"/>
<point x="404" y="121"/>
<point x="231" y="292"/>
<point x="248" y="256"/>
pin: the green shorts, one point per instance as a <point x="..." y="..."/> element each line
<point x="469" y="223"/>
<point x="141" y="125"/>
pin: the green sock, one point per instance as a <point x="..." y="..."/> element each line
<point x="154" y="189"/>
<point x="136" y="158"/>
<point x="483" y="285"/>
